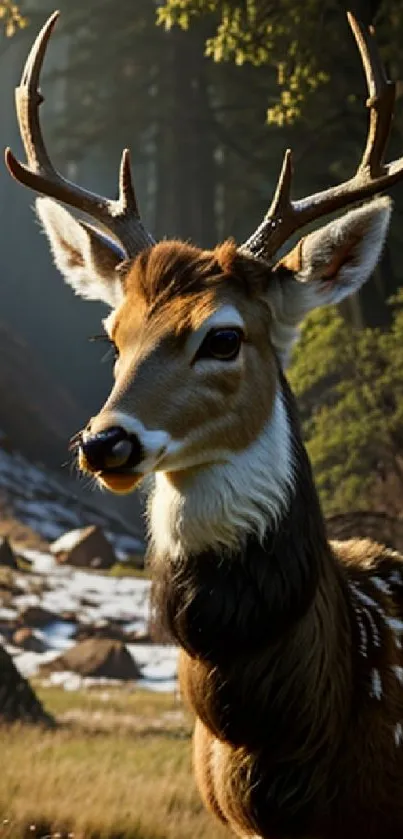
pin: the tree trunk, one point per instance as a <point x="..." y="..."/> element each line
<point x="193" y="162"/>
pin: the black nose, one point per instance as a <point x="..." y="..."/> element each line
<point x="112" y="450"/>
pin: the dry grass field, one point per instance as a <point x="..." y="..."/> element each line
<point x="118" y="766"/>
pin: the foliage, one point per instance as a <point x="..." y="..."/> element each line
<point x="11" y="18"/>
<point x="350" y="388"/>
<point x="199" y="138"/>
<point x="286" y="34"/>
<point x="262" y="33"/>
<point x="129" y="568"/>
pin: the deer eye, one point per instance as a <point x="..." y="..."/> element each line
<point x="221" y="344"/>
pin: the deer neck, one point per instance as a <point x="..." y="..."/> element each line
<point x="217" y="507"/>
<point x="266" y="609"/>
<point x="252" y="528"/>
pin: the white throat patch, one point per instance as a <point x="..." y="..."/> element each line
<point x="219" y="505"/>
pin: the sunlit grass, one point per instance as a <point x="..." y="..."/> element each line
<point x="141" y="703"/>
<point x="129" y="568"/>
<point x="128" y="779"/>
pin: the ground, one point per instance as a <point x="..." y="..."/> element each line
<point x="117" y="767"/>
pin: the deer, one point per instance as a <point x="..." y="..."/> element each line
<point x="290" y="645"/>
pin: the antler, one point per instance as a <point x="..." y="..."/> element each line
<point x="372" y="176"/>
<point x="121" y="217"/>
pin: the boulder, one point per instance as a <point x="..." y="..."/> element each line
<point x="17" y="699"/>
<point x="86" y="547"/>
<point x="102" y="629"/>
<point x="9" y="586"/>
<point x="36" y="616"/>
<point x="96" y="657"/>
<point x="7" y="556"/>
<point x="138" y="636"/>
<point x="26" y="639"/>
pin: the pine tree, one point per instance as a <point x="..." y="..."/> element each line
<point x="319" y="94"/>
<point x="349" y="385"/>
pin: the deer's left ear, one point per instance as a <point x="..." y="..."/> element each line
<point x="335" y="260"/>
<point x="327" y="266"/>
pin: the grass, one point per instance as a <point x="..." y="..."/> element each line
<point x="129" y="568"/>
<point x="117" y="767"/>
<point x="140" y="703"/>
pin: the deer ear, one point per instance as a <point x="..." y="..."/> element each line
<point x="327" y="265"/>
<point x="87" y="258"/>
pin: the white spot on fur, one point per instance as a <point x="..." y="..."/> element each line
<point x="218" y="505"/>
<point x="376" y="638"/>
<point x="382" y="585"/>
<point x="368" y="601"/>
<point x="398" y="671"/>
<point x="398" y="734"/>
<point x="369" y="607"/>
<point x="396" y="578"/>
<point x="376" y="685"/>
<point x="395" y="624"/>
<point x="363" y="645"/>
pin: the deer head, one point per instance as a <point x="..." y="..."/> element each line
<point x="201" y="336"/>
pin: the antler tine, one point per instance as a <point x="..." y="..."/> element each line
<point x="121" y="217"/>
<point x="381" y="98"/>
<point x="273" y="230"/>
<point x="127" y="194"/>
<point x="285" y="216"/>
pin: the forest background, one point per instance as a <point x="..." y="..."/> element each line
<point x="208" y="95"/>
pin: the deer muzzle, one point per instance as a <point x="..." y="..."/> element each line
<point x="112" y="455"/>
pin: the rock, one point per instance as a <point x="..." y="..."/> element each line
<point x="36" y="616"/>
<point x="7" y="556"/>
<point x="17" y="699"/>
<point x="138" y="636"/>
<point x="27" y="640"/>
<point x="103" y="629"/>
<point x="21" y="534"/>
<point x="9" y="586"/>
<point x="87" y="547"/>
<point x="97" y="657"/>
<point x="68" y="615"/>
<point x="7" y="628"/>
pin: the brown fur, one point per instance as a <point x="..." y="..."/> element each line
<point x="290" y="740"/>
<point x="173" y="287"/>
<point x="289" y="658"/>
<point x="170" y="291"/>
<point x="299" y="730"/>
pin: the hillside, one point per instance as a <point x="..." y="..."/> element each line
<point x="36" y="413"/>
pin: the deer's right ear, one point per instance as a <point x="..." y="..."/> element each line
<point x="86" y="258"/>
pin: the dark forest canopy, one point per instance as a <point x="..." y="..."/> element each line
<point x="207" y="137"/>
<point x="287" y="35"/>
